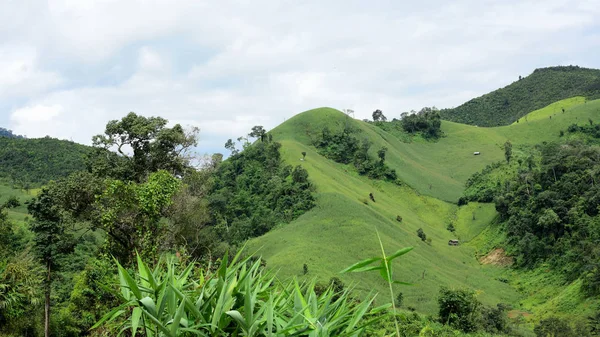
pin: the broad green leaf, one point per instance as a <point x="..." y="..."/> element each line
<point x="238" y="318"/>
<point x="399" y="253"/>
<point x="129" y="282"/>
<point x="367" y="268"/>
<point x="360" y="264"/>
<point x="110" y="315"/>
<point x="383" y="271"/>
<point x="149" y="305"/>
<point x="175" y="325"/>
<point x="136" y="314"/>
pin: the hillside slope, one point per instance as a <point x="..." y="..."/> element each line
<point x="32" y="162"/>
<point x="341" y="229"/>
<point x="544" y="86"/>
<point x="441" y="169"/>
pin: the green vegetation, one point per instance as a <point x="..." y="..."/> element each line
<point x="545" y="86"/>
<point x="310" y="195"/>
<point x="343" y="147"/>
<point x="254" y="191"/>
<point x="29" y="163"/>
<point x="238" y="298"/>
<point x="426" y="123"/>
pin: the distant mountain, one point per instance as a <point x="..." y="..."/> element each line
<point x="546" y="85"/>
<point x="8" y="133"/>
<point x="33" y="162"/>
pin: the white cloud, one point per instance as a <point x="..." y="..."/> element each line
<point x="36" y="114"/>
<point x="20" y="75"/>
<point x="225" y="66"/>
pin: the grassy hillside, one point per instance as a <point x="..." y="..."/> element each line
<point x="32" y="162"/>
<point x="440" y="169"/>
<point x="544" y="86"/>
<point x="341" y="229"/>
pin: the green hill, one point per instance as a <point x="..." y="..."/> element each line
<point x="441" y="169"/>
<point x="341" y="229"/>
<point x="33" y="162"/>
<point x="544" y="86"/>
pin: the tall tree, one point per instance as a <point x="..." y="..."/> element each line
<point x="258" y="132"/>
<point x="50" y="241"/>
<point x="149" y="144"/>
<point x="378" y="116"/>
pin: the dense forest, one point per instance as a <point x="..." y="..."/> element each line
<point x="543" y="87"/>
<point x="28" y="163"/>
<point x="548" y="200"/>
<point x="146" y="202"/>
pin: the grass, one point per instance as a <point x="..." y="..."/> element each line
<point x="341" y="229"/>
<point x="441" y="168"/>
<point x="472" y="219"/>
<point x="17" y="215"/>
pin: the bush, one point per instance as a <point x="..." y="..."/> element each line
<point x="399" y="299"/>
<point x="554" y="326"/>
<point x="421" y="234"/>
<point x="459" y="309"/>
<point x="495" y="320"/>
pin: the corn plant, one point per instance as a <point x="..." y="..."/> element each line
<point x="383" y="264"/>
<point x="238" y="299"/>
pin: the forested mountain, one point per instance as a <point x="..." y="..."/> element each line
<point x="33" y="162"/>
<point x="544" y="86"/>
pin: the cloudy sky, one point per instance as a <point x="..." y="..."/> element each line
<point x="69" y="66"/>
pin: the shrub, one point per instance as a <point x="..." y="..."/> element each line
<point x="421" y="234"/>
<point x="399" y="299"/>
<point x="459" y="309"/>
<point x="554" y="326"/>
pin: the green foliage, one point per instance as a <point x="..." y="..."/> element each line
<point x="20" y="294"/>
<point x="344" y="147"/>
<point x="421" y="234"/>
<point x="592" y="130"/>
<point x="29" y="163"/>
<point x="552" y="212"/>
<point x="253" y="191"/>
<point x="459" y="309"/>
<point x="508" y="151"/>
<point x="546" y="85"/>
<point x="93" y="295"/>
<point x="385" y="270"/>
<point x="238" y="299"/>
<point x="594" y="323"/>
<point x="378" y="116"/>
<point x="155" y="147"/>
<point x="399" y="300"/>
<point x="556" y="327"/>
<point x="427" y="122"/>
<point x="131" y="213"/>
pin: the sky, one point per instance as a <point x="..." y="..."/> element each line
<point x="67" y="67"/>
